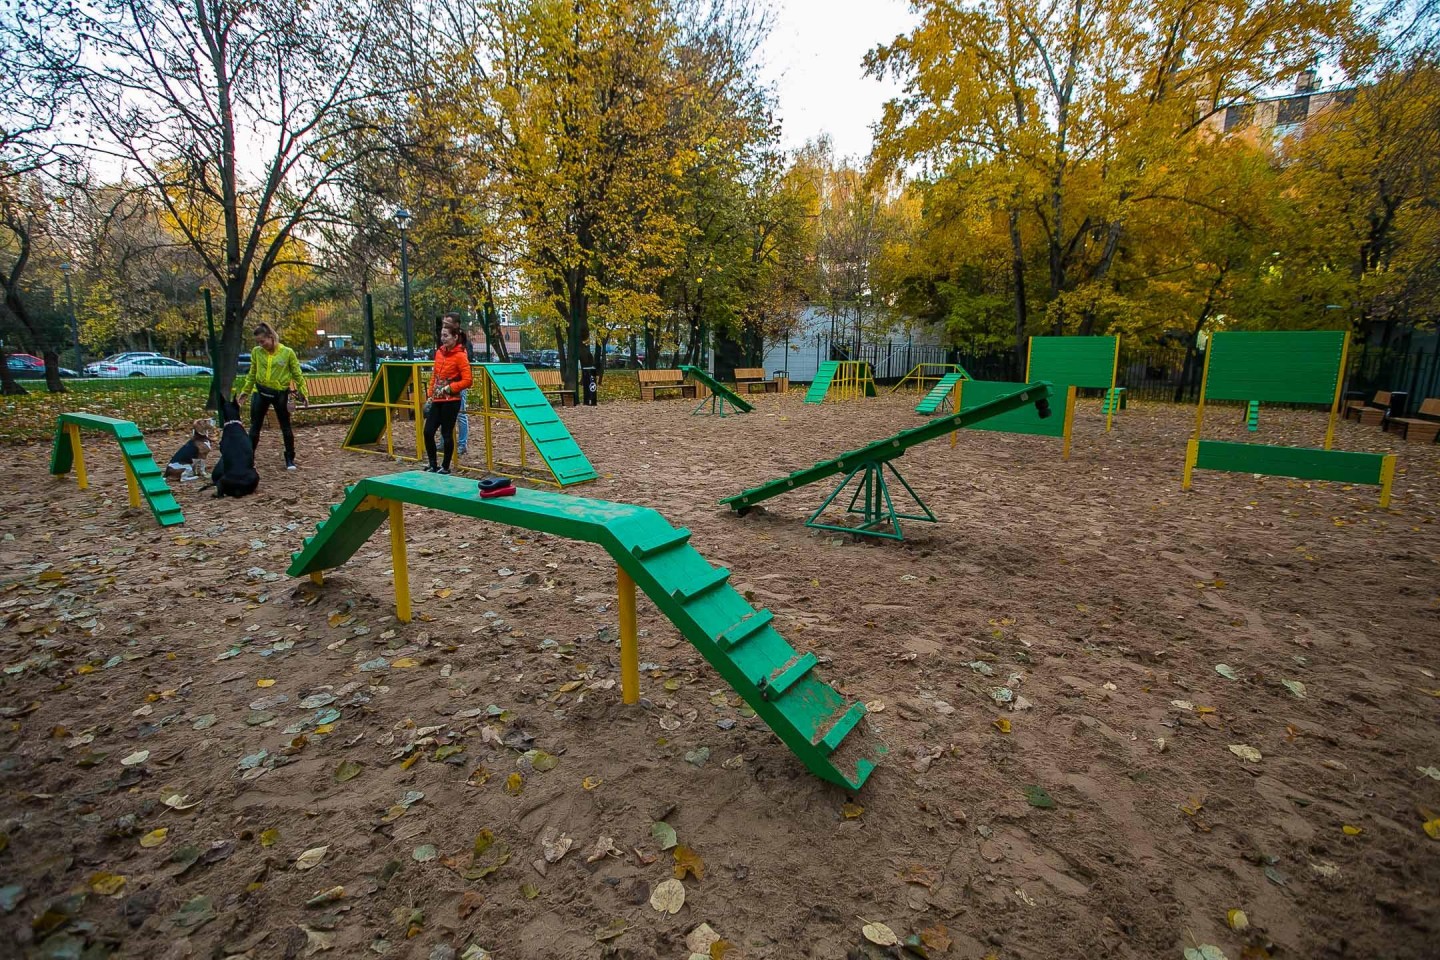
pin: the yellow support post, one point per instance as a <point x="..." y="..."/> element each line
<point x="1029" y="345"/>
<point x="489" y="432"/>
<point x="1335" y="405"/>
<point x="79" y="453"/>
<point x="417" y="401"/>
<point x="1192" y="454"/>
<point x="318" y="578"/>
<point x="629" y="644"/>
<point x="1387" y="476"/>
<point x="131" y="484"/>
<point x="955" y="408"/>
<point x="1069" y="422"/>
<point x="1114" y="375"/>
<point x="389" y="414"/>
<point x="1204" y="379"/>
<point x="398" y="561"/>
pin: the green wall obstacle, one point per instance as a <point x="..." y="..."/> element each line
<point x="827" y="732"/>
<point x="1076" y="362"/>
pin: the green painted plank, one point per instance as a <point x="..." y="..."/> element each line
<point x="1073" y="361"/>
<point x="821" y="385"/>
<point x="1023" y="419"/>
<point x="932" y="400"/>
<point x="540" y="421"/>
<point x="1306" y="463"/>
<point x="1275" y="366"/>
<point x="811" y="717"/>
<point x="894" y="446"/>
<point x="718" y="388"/>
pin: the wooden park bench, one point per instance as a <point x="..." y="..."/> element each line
<point x="653" y="381"/>
<point x="1370" y="413"/>
<point x="1421" y="428"/>
<point x="553" y="386"/>
<point x="346" y="385"/>
<point x="752" y="380"/>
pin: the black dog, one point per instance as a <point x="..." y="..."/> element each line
<point x="234" y="474"/>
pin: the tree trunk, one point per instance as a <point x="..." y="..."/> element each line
<point x="8" y="386"/>
<point x="52" y="370"/>
<point x="1017" y="271"/>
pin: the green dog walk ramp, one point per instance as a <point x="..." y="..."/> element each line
<point x="821" y="384"/>
<point x="932" y="400"/>
<point x="541" y="424"/>
<point x="825" y="730"/>
<point x="721" y="394"/>
<point x="142" y="475"/>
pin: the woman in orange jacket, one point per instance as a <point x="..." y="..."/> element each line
<point x="450" y="376"/>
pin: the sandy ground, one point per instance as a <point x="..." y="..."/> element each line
<point x="145" y="670"/>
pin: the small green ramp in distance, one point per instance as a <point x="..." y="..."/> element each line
<point x="386" y="387"/>
<point x="882" y="451"/>
<point x="821" y="385"/>
<point x="932" y="400"/>
<point x="537" y="417"/>
<point x="147" y="479"/>
<point x="719" y="389"/>
<point x="820" y="726"/>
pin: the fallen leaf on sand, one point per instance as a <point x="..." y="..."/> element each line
<point x="155" y="837"/>
<point x="701" y="939"/>
<point x="424" y="853"/>
<point x="879" y="934"/>
<point x="177" y="802"/>
<point x="268" y="838"/>
<point x="139" y="756"/>
<point x="265" y="683"/>
<point x="1226" y="671"/>
<point x="555" y="844"/>
<point x="348" y="770"/>
<point x="405" y="663"/>
<point x="663" y="834"/>
<point x="1205" y="951"/>
<point x="610" y="932"/>
<point x="1351" y="831"/>
<point x="311" y="858"/>
<point x="1295" y="687"/>
<point x="106" y="884"/>
<point x="1432" y="828"/>
<point x="937" y="938"/>
<point x="851" y="811"/>
<point x="590" y="783"/>
<point x="1237" y="920"/>
<point x="1036" y="796"/>
<point x="1432" y="772"/>
<point x="1002" y="724"/>
<point x="688" y="861"/>
<point x="604" y="847"/>
<point x="1244" y="752"/>
<point x="668" y="896"/>
<point x="514" y="784"/>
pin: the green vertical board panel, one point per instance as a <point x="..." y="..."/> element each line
<point x="1025" y="419"/>
<point x="1073" y="361"/>
<point x="1279" y="366"/>
<point x="1306" y="463"/>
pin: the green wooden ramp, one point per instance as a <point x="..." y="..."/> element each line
<point x="819" y="725"/>
<point x="146" y="477"/>
<point x="724" y="393"/>
<point x="537" y="417"/>
<point x="895" y="446"/>
<point x="821" y="384"/>
<point x="932" y="400"/>
<point x="386" y="387"/>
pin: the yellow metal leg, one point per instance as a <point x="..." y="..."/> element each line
<point x="132" y="485"/>
<point x="79" y="454"/>
<point x="1192" y="453"/>
<point x="398" y="561"/>
<point x="317" y="577"/>
<point x="1069" y="422"/>
<point x="629" y="645"/>
<point x="1387" y="478"/>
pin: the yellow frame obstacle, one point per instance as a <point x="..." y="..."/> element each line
<point x="924" y="381"/>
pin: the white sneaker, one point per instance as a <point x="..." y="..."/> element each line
<point x="291" y="466"/>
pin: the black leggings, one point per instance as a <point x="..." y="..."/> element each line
<point x="259" y="403"/>
<point x="442" y="416"/>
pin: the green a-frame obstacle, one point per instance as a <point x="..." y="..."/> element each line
<point x="720" y="397"/>
<point x="872" y="499"/>
<point x="1289" y="366"/>
<point x="825" y="730"/>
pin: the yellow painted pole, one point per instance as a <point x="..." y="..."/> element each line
<point x="1335" y="405"/>
<point x="1387" y="477"/>
<point x="317" y="577"/>
<point x="131" y="485"/>
<point x="79" y="453"/>
<point x="398" y="561"/>
<point x="389" y="413"/>
<point x="955" y="408"/>
<point x="489" y="428"/>
<point x="629" y="645"/>
<point x="1192" y="453"/>
<point x="1114" y="376"/>
<point x="419" y="403"/>
<point x="1069" y="422"/>
<point x="1204" y="380"/>
<point x="1029" y="345"/>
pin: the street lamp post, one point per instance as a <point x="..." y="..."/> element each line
<point x="402" y="220"/>
<point x="65" y="268"/>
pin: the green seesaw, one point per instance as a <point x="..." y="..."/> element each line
<point x="819" y="725"/>
<point x="872" y="499"/>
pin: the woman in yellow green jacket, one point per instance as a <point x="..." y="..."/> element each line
<point x="273" y="367"/>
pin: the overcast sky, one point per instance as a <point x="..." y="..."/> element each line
<point x="812" y="58"/>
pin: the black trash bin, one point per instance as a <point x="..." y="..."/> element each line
<point x="589" y="386"/>
<point x="1399" y="404"/>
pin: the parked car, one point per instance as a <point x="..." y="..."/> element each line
<point x="93" y="369"/>
<point x="23" y="366"/>
<point x="156" y="366"/>
<point x="242" y="364"/>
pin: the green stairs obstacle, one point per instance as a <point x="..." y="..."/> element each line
<point x="1252" y="416"/>
<point x="819" y="725"/>
<point x="821" y="385"/>
<point x="932" y="400"/>
<point x="869" y="463"/>
<point x="1114" y="401"/>
<point x="720" y="394"/>
<point x="541" y="423"/>
<point x="149" y="480"/>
